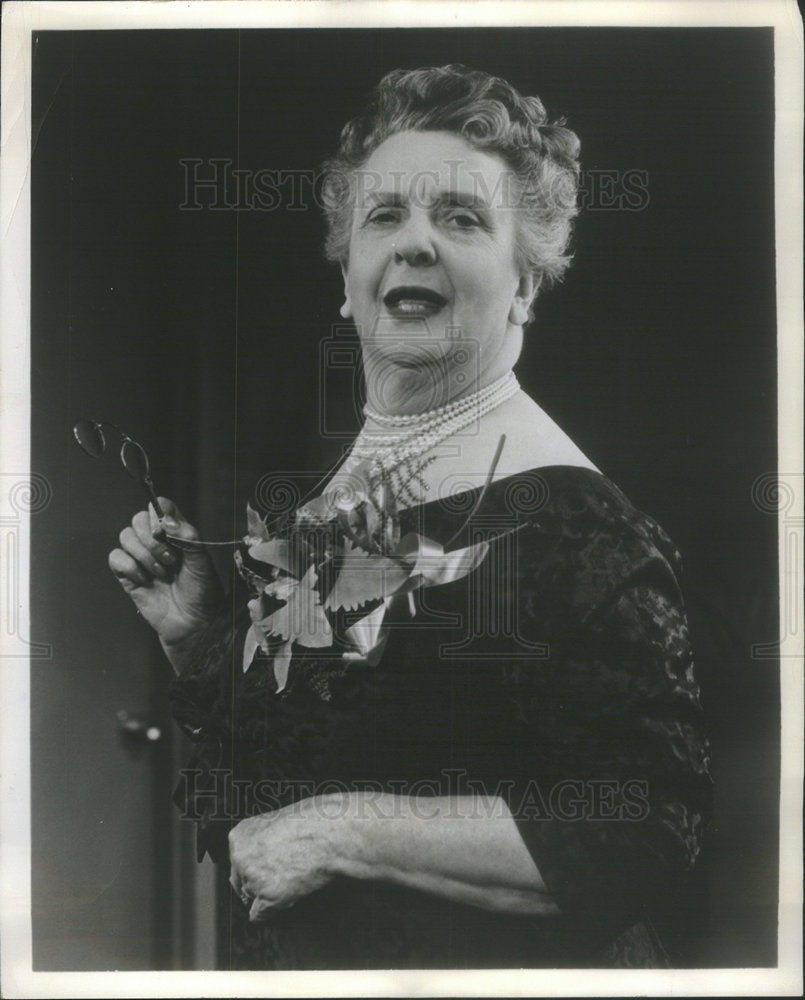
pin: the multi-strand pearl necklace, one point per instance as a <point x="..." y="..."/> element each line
<point x="411" y="436"/>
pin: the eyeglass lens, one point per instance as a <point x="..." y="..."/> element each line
<point x="135" y="461"/>
<point x="90" y="436"/>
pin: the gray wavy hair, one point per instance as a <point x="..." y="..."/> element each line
<point x="489" y="113"/>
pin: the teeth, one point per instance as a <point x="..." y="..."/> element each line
<point x="415" y="305"/>
<point x="413" y="300"/>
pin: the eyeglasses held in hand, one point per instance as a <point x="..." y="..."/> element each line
<point x="90" y="435"/>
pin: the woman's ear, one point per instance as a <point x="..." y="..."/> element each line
<point x="523" y="297"/>
<point x="346" y="308"/>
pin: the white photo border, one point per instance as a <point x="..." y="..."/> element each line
<point x="20" y="19"/>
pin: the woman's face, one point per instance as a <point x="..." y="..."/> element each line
<point x="432" y="282"/>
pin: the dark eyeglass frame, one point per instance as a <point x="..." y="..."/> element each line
<point x="84" y="431"/>
<point x="141" y="470"/>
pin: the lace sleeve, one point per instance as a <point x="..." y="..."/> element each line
<point x="195" y="695"/>
<point x="201" y="703"/>
<point x="619" y="788"/>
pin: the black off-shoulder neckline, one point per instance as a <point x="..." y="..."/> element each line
<point x="566" y="491"/>
<point x="455" y="502"/>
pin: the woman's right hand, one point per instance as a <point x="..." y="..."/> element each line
<point x="177" y="592"/>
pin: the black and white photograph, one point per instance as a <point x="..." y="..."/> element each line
<point x="402" y="499"/>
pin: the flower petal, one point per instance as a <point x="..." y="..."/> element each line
<point x="253" y="637"/>
<point x="364" y="578"/>
<point x="302" y="618"/>
<point x="368" y="635"/>
<point x="275" y="552"/>
<point x="282" y="663"/>
<point x="255" y="525"/>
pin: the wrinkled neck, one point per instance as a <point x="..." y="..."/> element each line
<point x="404" y="384"/>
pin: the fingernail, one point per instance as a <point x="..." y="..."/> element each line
<point x="170" y="524"/>
<point x="159" y="571"/>
<point x="168" y="556"/>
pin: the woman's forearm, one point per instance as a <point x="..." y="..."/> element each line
<point x="460" y="847"/>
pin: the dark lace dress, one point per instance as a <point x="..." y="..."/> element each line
<point x="557" y="675"/>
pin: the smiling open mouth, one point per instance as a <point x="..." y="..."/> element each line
<point x="413" y="300"/>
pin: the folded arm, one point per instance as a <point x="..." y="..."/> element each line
<point x="462" y="848"/>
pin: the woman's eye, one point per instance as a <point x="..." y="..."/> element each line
<point x="383" y="216"/>
<point x="463" y="220"/>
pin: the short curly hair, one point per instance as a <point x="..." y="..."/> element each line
<point x="488" y="112"/>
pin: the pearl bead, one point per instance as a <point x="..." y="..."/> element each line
<point x="415" y="434"/>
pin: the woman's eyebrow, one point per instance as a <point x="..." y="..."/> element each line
<point x="384" y="198"/>
<point x="448" y="197"/>
<point x="465" y="199"/>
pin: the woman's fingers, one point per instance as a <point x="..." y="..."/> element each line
<point x="237" y="886"/>
<point x="258" y="907"/>
<point x="174" y="533"/>
<point x="173" y="523"/>
<point x="141" y="522"/>
<point x="169" y="509"/>
<point x="142" y="557"/>
<point x="259" y="910"/>
<point x="128" y="571"/>
<point x="140" y="544"/>
<point x="236" y="878"/>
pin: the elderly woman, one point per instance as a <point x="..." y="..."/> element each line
<point x="456" y="723"/>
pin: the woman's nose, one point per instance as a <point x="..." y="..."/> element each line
<point x="414" y="244"/>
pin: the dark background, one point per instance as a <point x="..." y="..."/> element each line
<point x="199" y="332"/>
